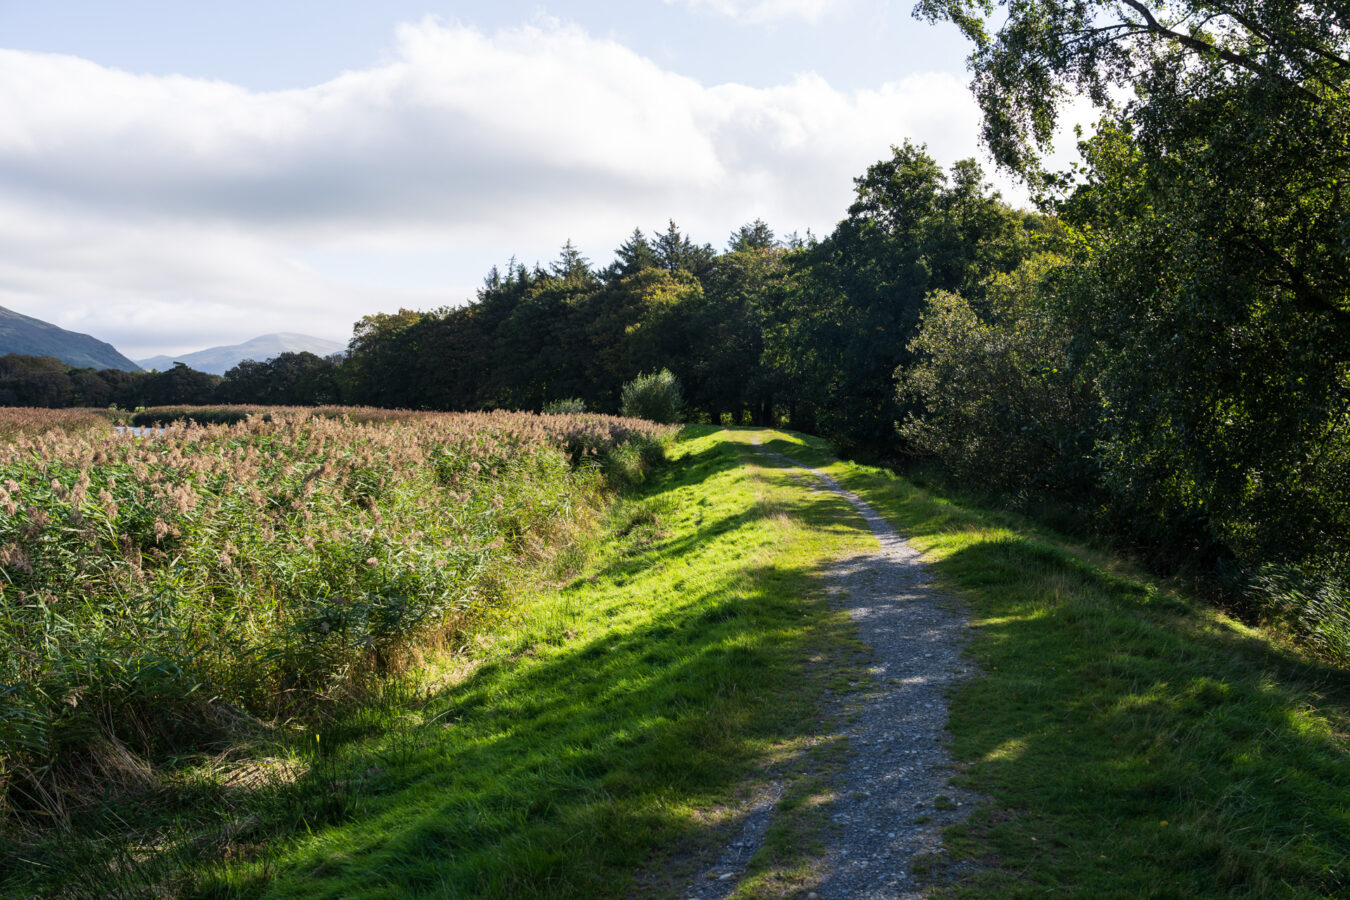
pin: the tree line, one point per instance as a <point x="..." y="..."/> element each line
<point x="1180" y="365"/>
<point x="291" y="379"/>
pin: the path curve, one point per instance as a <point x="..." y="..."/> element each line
<point x="894" y="798"/>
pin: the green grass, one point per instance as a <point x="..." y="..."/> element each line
<point x="1135" y="743"/>
<point x="601" y="735"/>
<point x="595" y="743"/>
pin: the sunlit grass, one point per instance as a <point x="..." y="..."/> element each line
<point x="598" y="736"/>
<point x="1135" y="742"/>
<point x="591" y="742"/>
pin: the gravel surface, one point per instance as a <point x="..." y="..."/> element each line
<point x="720" y="879"/>
<point x="894" y="798"/>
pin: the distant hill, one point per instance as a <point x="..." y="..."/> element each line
<point x="34" y="337"/>
<point x="219" y="360"/>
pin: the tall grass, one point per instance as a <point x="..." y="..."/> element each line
<point x="16" y="421"/>
<point x="159" y="593"/>
<point x="231" y="413"/>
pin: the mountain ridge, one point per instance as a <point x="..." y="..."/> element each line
<point x="34" y="337"/>
<point x="219" y="360"/>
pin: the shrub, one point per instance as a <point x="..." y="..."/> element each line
<point x="565" y="406"/>
<point x="998" y="403"/>
<point x="655" y="397"/>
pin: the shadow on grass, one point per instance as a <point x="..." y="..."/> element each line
<point x="565" y="768"/>
<point x="1137" y="743"/>
<point x="561" y="773"/>
<point x="1148" y="747"/>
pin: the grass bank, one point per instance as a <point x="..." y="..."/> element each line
<point x="596" y="739"/>
<point x="1134" y="742"/>
<point x="601" y="736"/>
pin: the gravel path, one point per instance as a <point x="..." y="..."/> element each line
<point x="893" y="800"/>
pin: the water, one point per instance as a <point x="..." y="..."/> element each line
<point x="138" y="430"/>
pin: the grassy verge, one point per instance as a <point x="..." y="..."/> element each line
<point x="596" y="731"/>
<point x="1134" y="743"/>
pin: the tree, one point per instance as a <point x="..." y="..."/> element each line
<point x="1046" y="51"/>
<point x="1208" y="309"/>
<point x="843" y="318"/>
<point x="655" y="396"/>
<point x="289" y="379"/>
<point x="177" y="386"/>
<point x="572" y="266"/>
<point x="376" y="369"/>
<point x="1211" y="288"/>
<point x="996" y="396"/>
<point x="676" y="253"/>
<point x="538" y="350"/>
<point x="726" y="370"/>
<point x="36" y="381"/>
<point x="756" y="235"/>
<point x="633" y="255"/>
<point x="636" y="324"/>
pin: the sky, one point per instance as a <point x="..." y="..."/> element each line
<point x="181" y="175"/>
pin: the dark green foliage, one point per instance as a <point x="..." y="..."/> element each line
<point x="1206" y="303"/>
<point x="998" y="401"/>
<point x="655" y="396"/>
<point x="1210" y="312"/>
<point x="634" y="255"/>
<point x="676" y="253"/>
<point x="290" y="379"/>
<point x="49" y="382"/>
<point x="841" y="323"/>
<point x="178" y="385"/>
<point x="381" y="368"/>
<point x="535" y="335"/>
<point x="756" y="235"/>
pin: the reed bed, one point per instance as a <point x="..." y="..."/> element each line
<point x="230" y="413"/>
<point x="159" y="593"/>
<point x="16" y="421"/>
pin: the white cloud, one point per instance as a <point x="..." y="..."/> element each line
<point x="765" y="11"/>
<point x="168" y="213"/>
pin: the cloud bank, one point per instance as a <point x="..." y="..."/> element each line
<point x="165" y="213"/>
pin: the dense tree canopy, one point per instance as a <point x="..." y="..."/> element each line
<point x="843" y="320"/>
<point x="1207" y="300"/>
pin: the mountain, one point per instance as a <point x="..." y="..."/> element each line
<point x="24" y="334"/>
<point x="219" y="360"/>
